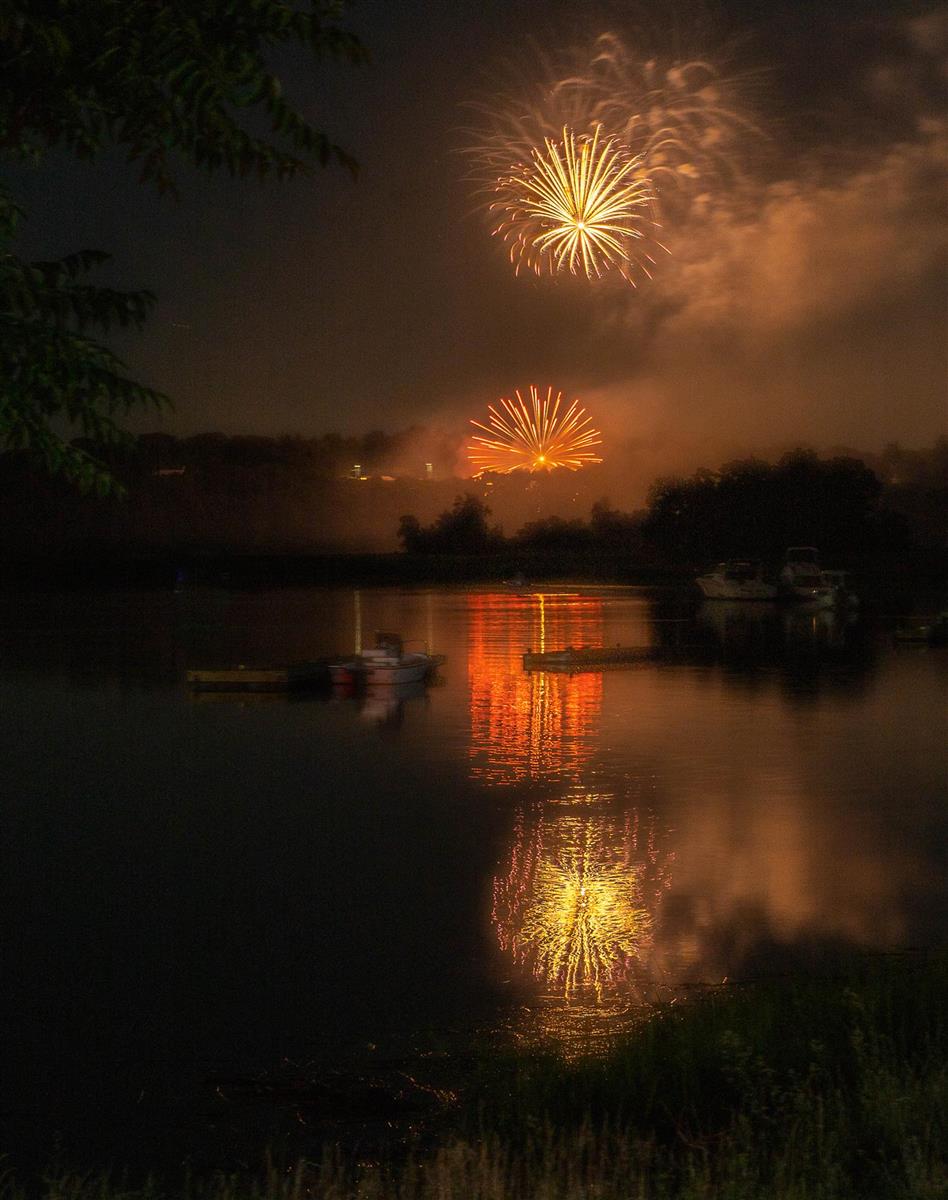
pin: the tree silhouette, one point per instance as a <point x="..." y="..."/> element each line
<point x="752" y="508"/>
<point x="463" y="529"/>
<point x="164" y="82"/>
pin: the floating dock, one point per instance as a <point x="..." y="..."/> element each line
<point x="260" y="679"/>
<point x="588" y="658"/>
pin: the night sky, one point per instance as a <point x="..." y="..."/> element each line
<point x="812" y="311"/>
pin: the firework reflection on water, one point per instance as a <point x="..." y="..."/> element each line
<point x="576" y="910"/>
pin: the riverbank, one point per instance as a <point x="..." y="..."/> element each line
<point x="235" y="569"/>
<point x="805" y="1087"/>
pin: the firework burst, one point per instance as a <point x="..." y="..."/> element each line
<point x="583" y="204"/>
<point x="687" y="124"/>
<point x="535" y="437"/>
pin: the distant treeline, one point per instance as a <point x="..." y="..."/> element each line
<point x="402" y="453"/>
<point x="747" y="508"/>
<point x="240" y="494"/>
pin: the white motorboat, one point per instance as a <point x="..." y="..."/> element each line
<point x="386" y="663"/>
<point x="801" y="578"/>
<point x="401" y="668"/>
<point x="738" y="579"/>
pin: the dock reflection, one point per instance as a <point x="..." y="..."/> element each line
<point x="530" y="726"/>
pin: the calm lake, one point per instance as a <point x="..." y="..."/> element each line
<point x="203" y="890"/>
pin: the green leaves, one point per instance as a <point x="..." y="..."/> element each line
<point x="163" y="80"/>
<point x="56" y="376"/>
<point x="166" y="81"/>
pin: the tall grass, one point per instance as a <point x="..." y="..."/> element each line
<point x="803" y="1089"/>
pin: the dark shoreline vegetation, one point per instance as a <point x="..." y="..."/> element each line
<point x="876" y="576"/>
<point x="818" y="1087"/>
<point x="227" y="516"/>
<point x="280" y="508"/>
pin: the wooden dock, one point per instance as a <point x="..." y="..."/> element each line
<point x="588" y="658"/>
<point x="260" y="679"/>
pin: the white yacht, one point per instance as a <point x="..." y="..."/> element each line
<point x="738" y="579"/>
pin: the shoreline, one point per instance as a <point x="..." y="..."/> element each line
<point x="830" y="1085"/>
<point x="235" y="568"/>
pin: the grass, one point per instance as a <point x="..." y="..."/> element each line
<point x="802" y="1089"/>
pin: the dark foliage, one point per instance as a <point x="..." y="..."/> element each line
<point x="753" y="508"/>
<point x="298" y="494"/>
<point x="461" y="530"/>
<point x="554" y="533"/>
<point x="163" y="82"/>
<point x="747" y="508"/>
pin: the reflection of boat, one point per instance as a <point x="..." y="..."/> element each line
<point x="843" y="594"/>
<point x="384" y="704"/>
<point x="802" y="579"/>
<point x="386" y="663"/>
<point x="586" y="658"/>
<point x="259" y="679"/>
<point x="736" y="580"/>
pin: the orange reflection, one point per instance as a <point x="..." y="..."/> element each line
<point x="530" y="725"/>
<point x="577" y="906"/>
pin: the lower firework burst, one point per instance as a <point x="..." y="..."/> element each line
<point x="581" y="204"/>
<point x="534" y="437"/>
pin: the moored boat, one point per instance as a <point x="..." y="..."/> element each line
<point x="801" y="578"/>
<point x="386" y="663"/>
<point x="737" y="579"/>
<point x="928" y="631"/>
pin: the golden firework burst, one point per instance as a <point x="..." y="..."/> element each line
<point x="534" y="437"/>
<point x="582" y="204"/>
<point x="690" y="121"/>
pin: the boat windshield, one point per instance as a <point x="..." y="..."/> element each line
<point x="740" y="571"/>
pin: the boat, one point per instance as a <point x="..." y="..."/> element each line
<point x="259" y="679"/>
<point x="928" y="631"/>
<point x="386" y="663"/>
<point x="801" y="578"/>
<point x="586" y="658"/>
<point x="737" y="579"/>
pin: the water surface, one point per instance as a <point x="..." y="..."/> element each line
<point x="197" y="889"/>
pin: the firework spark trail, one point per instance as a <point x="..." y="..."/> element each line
<point x="686" y="119"/>
<point x="534" y="438"/>
<point x="687" y="123"/>
<point x="582" y="204"/>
